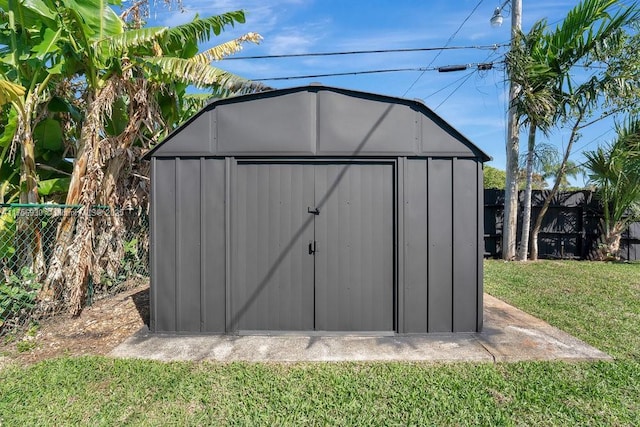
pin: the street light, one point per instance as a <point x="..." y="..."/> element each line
<point x="497" y="18"/>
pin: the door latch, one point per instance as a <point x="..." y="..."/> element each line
<point x="314" y="211"/>
<point x="312" y="247"/>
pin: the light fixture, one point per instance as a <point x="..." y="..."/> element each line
<point x="497" y="18"/>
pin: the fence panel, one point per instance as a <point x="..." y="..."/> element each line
<point x="28" y="238"/>
<point x="570" y="228"/>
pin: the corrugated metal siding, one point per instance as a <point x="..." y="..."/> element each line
<point x="213" y="229"/>
<point x="188" y="259"/>
<point x="272" y="279"/>
<point x="354" y="262"/>
<point x="416" y="247"/>
<point x="465" y="244"/>
<point x="440" y="223"/>
<point x="441" y="259"/>
<point x="188" y="241"/>
<point x="163" y="250"/>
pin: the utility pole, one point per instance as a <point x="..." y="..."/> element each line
<point x="510" y="219"/>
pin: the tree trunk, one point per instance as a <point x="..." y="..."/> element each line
<point x="28" y="232"/>
<point x="510" y="220"/>
<point x="608" y="246"/>
<point x="556" y="185"/>
<point x="526" y="212"/>
<point x="52" y="288"/>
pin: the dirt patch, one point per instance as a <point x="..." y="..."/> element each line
<point x="98" y="330"/>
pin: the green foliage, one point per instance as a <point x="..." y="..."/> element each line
<point x="132" y="263"/>
<point x="494" y="178"/>
<point x="18" y="295"/>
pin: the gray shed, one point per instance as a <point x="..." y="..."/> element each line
<point x="316" y="209"/>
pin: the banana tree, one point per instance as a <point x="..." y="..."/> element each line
<point x="27" y="45"/>
<point x="135" y="84"/>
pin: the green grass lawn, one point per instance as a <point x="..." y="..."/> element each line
<point x="599" y="303"/>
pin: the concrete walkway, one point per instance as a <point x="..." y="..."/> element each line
<point x="509" y="335"/>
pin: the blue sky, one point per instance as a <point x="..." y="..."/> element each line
<point x="474" y="102"/>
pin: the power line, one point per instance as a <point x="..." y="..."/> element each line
<point x="359" y="52"/>
<point x="456" y="89"/>
<point x="446" y="44"/>
<point x="447" y="68"/>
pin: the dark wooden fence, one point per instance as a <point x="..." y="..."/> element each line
<point x="569" y="230"/>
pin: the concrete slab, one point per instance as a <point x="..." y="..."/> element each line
<point x="509" y="335"/>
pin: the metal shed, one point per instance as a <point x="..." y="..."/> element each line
<point x="316" y="209"/>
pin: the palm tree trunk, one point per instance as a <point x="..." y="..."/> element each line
<point x="526" y="212"/>
<point x="510" y="218"/>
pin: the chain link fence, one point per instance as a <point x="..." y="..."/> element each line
<point x="29" y="235"/>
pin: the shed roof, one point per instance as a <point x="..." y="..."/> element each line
<point x="316" y="120"/>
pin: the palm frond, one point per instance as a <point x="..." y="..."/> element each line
<point x="223" y="50"/>
<point x="121" y="43"/>
<point x="201" y="29"/>
<point x="201" y="75"/>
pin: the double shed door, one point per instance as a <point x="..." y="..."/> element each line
<point x="312" y="247"/>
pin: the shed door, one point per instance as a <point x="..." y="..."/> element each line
<point x="294" y="269"/>
<point x="354" y="258"/>
<point x="272" y="271"/>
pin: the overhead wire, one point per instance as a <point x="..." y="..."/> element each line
<point x="446" y="44"/>
<point x="360" y="52"/>
<point x="480" y="66"/>
<point x="467" y="77"/>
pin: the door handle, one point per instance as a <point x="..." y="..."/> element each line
<point x="312" y="247"/>
<point x="314" y="211"/>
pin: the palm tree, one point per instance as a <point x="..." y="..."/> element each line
<point x="543" y="64"/>
<point x="615" y="173"/>
<point x="535" y="104"/>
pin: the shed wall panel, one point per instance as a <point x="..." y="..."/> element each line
<point x="213" y="245"/>
<point x="354" y="262"/>
<point x="195" y="139"/>
<point x="284" y="124"/>
<point x="465" y="244"/>
<point x="164" y="245"/>
<point x="188" y="237"/>
<point x="272" y="282"/>
<point x="416" y="247"/>
<point x="440" y="223"/>
<point x="349" y="126"/>
<point x="436" y="141"/>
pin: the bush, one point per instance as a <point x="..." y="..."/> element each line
<point x="17" y="297"/>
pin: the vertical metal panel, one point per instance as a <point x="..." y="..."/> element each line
<point x="416" y="247"/>
<point x="152" y="247"/>
<point x="213" y="245"/>
<point x="480" y="254"/>
<point x="401" y="196"/>
<point x="465" y="221"/>
<point x="354" y="262"/>
<point x="188" y="244"/>
<point x="164" y="245"/>
<point x="440" y="224"/>
<point x="272" y="269"/>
